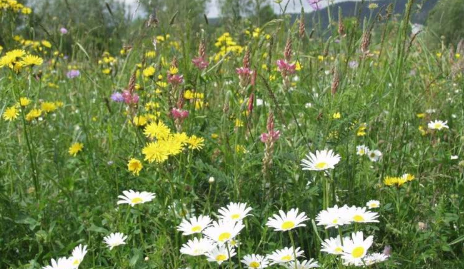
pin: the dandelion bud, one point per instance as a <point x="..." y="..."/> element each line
<point x="147" y="259"/>
<point x="211" y="180"/>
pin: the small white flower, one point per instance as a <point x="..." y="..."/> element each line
<point x="220" y="254"/>
<point x="333" y="217"/>
<point x="194" y="225"/>
<point x="78" y="255"/>
<point x="134" y="197"/>
<point x="333" y="246"/>
<point x="287" y="221"/>
<point x="362" y="150"/>
<point x="322" y="160"/>
<point x="284" y="255"/>
<point x="115" y="239"/>
<point x="197" y="247"/>
<point x="438" y="125"/>
<point x="223" y="231"/>
<point x="255" y="261"/>
<point x="302" y="265"/>
<point x="454" y="157"/>
<point x="374" y="155"/>
<point x="373" y="204"/>
<point x="355" y="248"/>
<point x="375" y="258"/>
<point x="234" y="211"/>
<point x="61" y="263"/>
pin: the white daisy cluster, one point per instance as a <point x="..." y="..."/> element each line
<point x="352" y="249"/>
<point x="217" y="240"/>
<point x="374" y="155"/>
<point x="71" y="262"/>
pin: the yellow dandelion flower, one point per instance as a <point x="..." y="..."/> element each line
<point x="106" y="71"/>
<point x="240" y="149"/>
<point x="420" y="115"/>
<point x="48" y="107"/>
<point x="195" y="142"/>
<point x="46" y="44"/>
<point x="157" y="130"/>
<point x="31" y="60"/>
<point x="238" y="123"/>
<point x="75" y="148"/>
<point x="140" y="120"/>
<point x="171" y="145"/>
<point x="214" y="136"/>
<point x="10" y="113"/>
<point x="154" y="152"/>
<point x="33" y="114"/>
<point x="173" y="70"/>
<point x="362" y="130"/>
<point x="149" y="71"/>
<point x="24" y="101"/>
<point x="336" y="115"/>
<point x="134" y="166"/>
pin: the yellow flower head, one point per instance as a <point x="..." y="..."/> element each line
<point x="48" y="107"/>
<point x="336" y="115"/>
<point x="31" y="60"/>
<point x="134" y="166"/>
<point x="140" y="120"/>
<point x="10" y="113"/>
<point x="155" y="152"/>
<point x="196" y="142"/>
<point x="157" y="130"/>
<point x="75" y="148"/>
<point x="24" y="101"/>
<point x="33" y="114"/>
<point x="149" y="71"/>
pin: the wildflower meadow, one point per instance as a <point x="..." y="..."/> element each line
<point x="183" y="142"/>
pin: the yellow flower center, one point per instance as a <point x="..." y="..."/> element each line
<point x="286" y="258"/>
<point x="338" y="250"/>
<point x="196" y="228"/>
<point x="76" y="262"/>
<point x="437" y="125"/>
<point x="224" y="236"/>
<point x="357" y="252"/>
<point x="321" y="165"/>
<point x="358" y="218"/>
<point x="221" y="257"/>
<point x="287" y="225"/>
<point x="254" y="264"/>
<point x="362" y="151"/>
<point x="235" y="216"/>
<point x="374" y="205"/>
<point x="335" y="221"/>
<point x="136" y="200"/>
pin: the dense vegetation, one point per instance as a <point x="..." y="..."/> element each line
<point x="354" y="130"/>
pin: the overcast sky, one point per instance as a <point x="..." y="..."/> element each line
<point x="293" y="7"/>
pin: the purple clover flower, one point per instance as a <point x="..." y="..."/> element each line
<point x="117" y="97"/>
<point x="73" y="73"/>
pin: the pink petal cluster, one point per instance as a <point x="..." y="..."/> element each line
<point x="179" y="113"/>
<point x="270" y="136"/>
<point x="130" y="98"/>
<point x="286" y="68"/>
<point x="175" y="79"/>
<point x="244" y="73"/>
<point x="200" y="62"/>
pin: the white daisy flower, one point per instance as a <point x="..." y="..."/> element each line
<point x="197" y="247"/>
<point x="375" y="258"/>
<point x="333" y="217"/>
<point x="234" y="211"/>
<point x="287" y="221"/>
<point x="438" y="125"/>
<point x="302" y="265"/>
<point x="360" y="215"/>
<point x="373" y="204"/>
<point x="61" y="263"/>
<point x="322" y="160"/>
<point x="223" y="231"/>
<point x="134" y="197"/>
<point x="355" y="248"/>
<point x="333" y="245"/>
<point x="374" y="155"/>
<point x="194" y="225"/>
<point x="284" y="255"/>
<point x="115" y="239"/>
<point x="78" y="255"/>
<point x="362" y="150"/>
<point x="255" y="261"/>
<point x="220" y="254"/>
